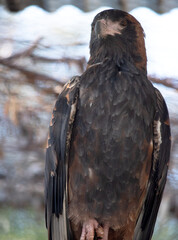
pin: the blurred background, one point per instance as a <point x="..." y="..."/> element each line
<point x="41" y="47"/>
<point x="89" y="5"/>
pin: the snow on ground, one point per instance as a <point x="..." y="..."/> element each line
<point x="69" y="25"/>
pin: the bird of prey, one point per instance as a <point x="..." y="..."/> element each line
<point x="109" y="141"/>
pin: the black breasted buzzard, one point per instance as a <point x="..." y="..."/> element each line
<point x="109" y="141"/>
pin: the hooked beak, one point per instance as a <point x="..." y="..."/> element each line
<point x="100" y="28"/>
<point x="107" y="27"/>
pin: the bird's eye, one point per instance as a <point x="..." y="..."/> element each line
<point x="123" y="22"/>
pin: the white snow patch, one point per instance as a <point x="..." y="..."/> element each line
<point x="161" y="41"/>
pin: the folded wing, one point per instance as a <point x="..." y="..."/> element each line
<point x="158" y="174"/>
<point x="56" y="168"/>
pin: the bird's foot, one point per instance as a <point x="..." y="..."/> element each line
<point x="91" y="228"/>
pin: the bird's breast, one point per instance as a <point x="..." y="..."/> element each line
<point x="110" y="145"/>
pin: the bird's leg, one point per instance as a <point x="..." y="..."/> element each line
<point x="89" y="228"/>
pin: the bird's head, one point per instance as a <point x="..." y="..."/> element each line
<point x="118" y="35"/>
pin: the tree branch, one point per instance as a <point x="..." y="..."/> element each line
<point x="172" y="83"/>
<point x="32" y="76"/>
<point x="25" y="52"/>
<point x="79" y="62"/>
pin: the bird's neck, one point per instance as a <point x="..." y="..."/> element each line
<point x="122" y="60"/>
<point x="120" y="53"/>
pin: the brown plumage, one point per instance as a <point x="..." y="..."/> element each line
<point x="109" y="141"/>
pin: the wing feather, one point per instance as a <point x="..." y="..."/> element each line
<point x="161" y="153"/>
<point x="56" y="168"/>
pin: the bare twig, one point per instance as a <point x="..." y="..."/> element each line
<point x="33" y="76"/>
<point x="49" y="90"/>
<point x="25" y="52"/>
<point x="79" y="62"/>
<point x="166" y="82"/>
<point x="30" y="74"/>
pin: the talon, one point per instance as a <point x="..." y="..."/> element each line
<point x="91" y="227"/>
<point x="88" y="230"/>
<point x="100" y="232"/>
